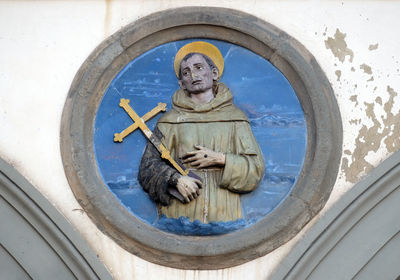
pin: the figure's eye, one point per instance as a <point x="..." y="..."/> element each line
<point x="199" y="67"/>
<point x="185" y="73"/>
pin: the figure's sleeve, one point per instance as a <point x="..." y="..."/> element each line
<point x="155" y="174"/>
<point x="244" y="168"/>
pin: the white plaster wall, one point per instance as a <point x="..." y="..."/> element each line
<point x="43" y="44"/>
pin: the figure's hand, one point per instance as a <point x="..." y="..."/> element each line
<point x="189" y="187"/>
<point x="203" y="157"/>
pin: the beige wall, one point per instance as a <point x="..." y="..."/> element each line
<point x="43" y="44"/>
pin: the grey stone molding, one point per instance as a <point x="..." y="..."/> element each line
<point x="36" y="241"/>
<point x="358" y="238"/>
<point x="309" y="193"/>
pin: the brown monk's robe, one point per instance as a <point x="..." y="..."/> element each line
<point x="220" y="126"/>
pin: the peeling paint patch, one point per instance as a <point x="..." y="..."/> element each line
<point x="352" y="69"/>
<point x="367" y="69"/>
<point x="338" y="74"/>
<point x="373" y="47"/>
<point x="355" y="121"/>
<point x="354" y="99"/>
<point x="392" y="141"/>
<point x="370" y="139"/>
<point x="370" y="79"/>
<point x="339" y="47"/>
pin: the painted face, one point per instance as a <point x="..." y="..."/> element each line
<point x="197" y="75"/>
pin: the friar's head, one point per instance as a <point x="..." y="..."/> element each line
<point x="197" y="73"/>
<point x="198" y="67"/>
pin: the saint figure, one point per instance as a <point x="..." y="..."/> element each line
<point x="206" y="132"/>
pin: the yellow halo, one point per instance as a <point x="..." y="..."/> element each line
<point x="200" y="47"/>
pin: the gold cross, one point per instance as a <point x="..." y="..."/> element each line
<point x="140" y="123"/>
<point x="119" y="137"/>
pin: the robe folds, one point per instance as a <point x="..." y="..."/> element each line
<point x="220" y="126"/>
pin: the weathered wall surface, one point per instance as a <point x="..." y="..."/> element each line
<point x="44" y="43"/>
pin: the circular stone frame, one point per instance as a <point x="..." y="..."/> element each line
<point x="309" y="194"/>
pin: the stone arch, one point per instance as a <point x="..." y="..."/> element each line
<point x="36" y="241"/>
<point x="358" y="238"/>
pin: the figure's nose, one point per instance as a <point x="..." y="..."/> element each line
<point x="194" y="76"/>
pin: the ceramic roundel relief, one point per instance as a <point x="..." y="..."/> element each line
<point x="190" y="139"/>
<point x="262" y="134"/>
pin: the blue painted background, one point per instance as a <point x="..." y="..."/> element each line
<point x="259" y="89"/>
